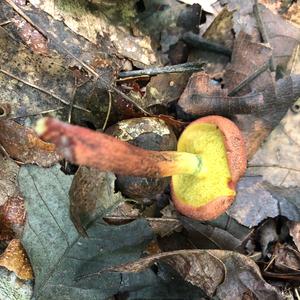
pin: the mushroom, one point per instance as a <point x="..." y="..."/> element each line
<point x="210" y="160"/>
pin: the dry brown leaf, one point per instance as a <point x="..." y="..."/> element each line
<point x="12" y="218"/>
<point x="15" y="259"/>
<point x="201" y="98"/>
<point x="8" y="179"/>
<point x="22" y="144"/>
<point x="278" y="159"/>
<point x="228" y="275"/>
<point x="92" y="195"/>
<point x="240" y="68"/>
<point x="198" y="267"/>
<point x="96" y="26"/>
<point x="295" y="233"/>
<point x="31" y="37"/>
<point x="291" y="13"/>
<point x="284" y="37"/>
<point x="286" y="259"/>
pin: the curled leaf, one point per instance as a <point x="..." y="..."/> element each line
<point x="15" y="259"/>
<point x="226" y="274"/>
<point x="22" y="144"/>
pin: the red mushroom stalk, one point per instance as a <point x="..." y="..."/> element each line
<point x="205" y="170"/>
<point x="86" y="147"/>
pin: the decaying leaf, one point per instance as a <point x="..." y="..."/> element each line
<point x="226" y="274"/>
<point x="104" y="22"/>
<point x="277" y="161"/>
<point x="240" y="68"/>
<point x="284" y="37"/>
<point x="92" y="194"/>
<point x="206" y="236"/>
<point x="49" y="82"/>
<point x="286" y="259"/>
<point x="34" y="39"/>
<point x="12" y="288"/>
<point x="15" y="259"/>
<point x="23" y="144"/>
<point x="258" y="200"/>
<point x="278" y="96"/>
<point x="201" y="268"/>
<point x="201" y="98"/>
<point x="164" y="89"/>
<point x="8" y="178"/>
<point x="58" y="254"/>
<point x="220" y="32"/>
<point x="294" y="228"/>
<point x="12" y="218"/>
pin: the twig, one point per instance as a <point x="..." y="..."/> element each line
<point x="4" y="152"/>
<point x="72" y="101"/>
<point x="270" y="262"/>
<point x="186" y="67"/>
<point x="199" y="42"/>
<point x="108" y="110"/>
<point x="42" y="90"/>
<point x="250" y="78"/>
<point x="263" y="31"/>
<point x="5" y="22"/>
<point x="24" y="16"/>
<point x="36" y="114"/>
<point x="130" y="100"/>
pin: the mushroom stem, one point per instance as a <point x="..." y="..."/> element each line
<point x="83" y="146"/>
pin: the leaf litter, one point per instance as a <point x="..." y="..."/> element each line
<point x="68" y="69"/>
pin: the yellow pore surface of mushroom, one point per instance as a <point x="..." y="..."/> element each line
<point x="212" y="181"/>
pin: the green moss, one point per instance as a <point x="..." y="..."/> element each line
<point x="73" y="6"/>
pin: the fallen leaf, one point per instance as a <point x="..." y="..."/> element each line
<point x="239" y="69"/>
<point x="23" y="144"/>
<point x="8" y="178"/>
<point x="258" y="200"/>
<point x="10" y="287"/>
<point x="206" y="236"/>
<point x="219" y="32"/>
<point x="92" y="195"/>
<point x="164" y="89"/>
<point x="12" y="218"/>
<point x="226" y="274"/>
<point x="286" y="259"/>
<point x="96" y="26"/>
<point x="32" y="37"/>
<point x="294" y="228"/>
<point x="277" y="160"/>
<point x="284" y="37"/>
<point x="49" y="83"/>
<point x="201" y="97"/>
<point x="200" y="268"/>
<point x="278" y="96"/>
<point x="59" y="255"/>
<point x="15" y="259"/>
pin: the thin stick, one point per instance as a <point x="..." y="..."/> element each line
<point x="250" y="78"/>
<point x="5" y="23"/>
<point x="24" y="16"/>
<point x="263" y="31"/>
<point x="180" y="68"/>
<point x="36" y="114"/>
<point x="108" y="110"/>
<point x="4" y="152"/>
<point x="42" y="90"/>
<point x="199" y="42"/>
